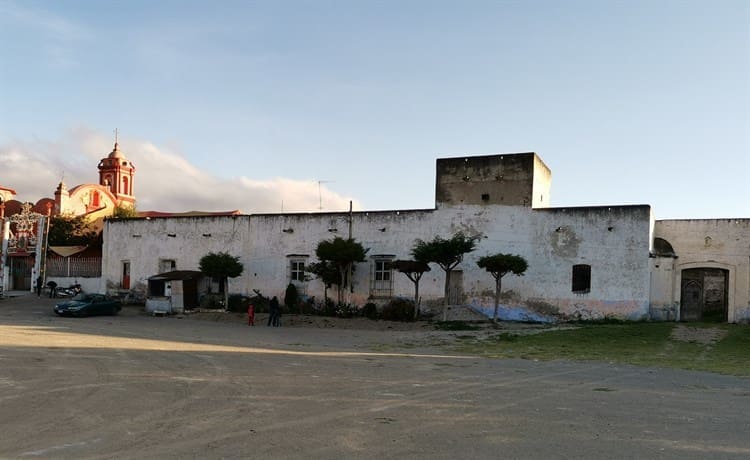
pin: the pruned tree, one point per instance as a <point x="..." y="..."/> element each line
<point x="326" y="272"/>
<point x="221" y="266"/>
<point x="342" y="254"/>
<point x="499" y="265"/>
<point x="447" y="254"/>
<point x="413" y="269"/>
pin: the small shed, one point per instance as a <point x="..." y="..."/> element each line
<point x="173" y="292"/>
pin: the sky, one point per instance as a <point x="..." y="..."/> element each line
<point x="271" y="106"/>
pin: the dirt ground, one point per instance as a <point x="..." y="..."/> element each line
<point x="702" y="335"/>
<point x="208" y="386"/>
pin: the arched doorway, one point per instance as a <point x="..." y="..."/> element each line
<point x="703" y="294"/>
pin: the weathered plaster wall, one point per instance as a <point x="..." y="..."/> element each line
<point x="542" y="184"/>
<point x="511" y="180"/>
<point x="144" y="242"/>
<point x="712" y="243"/>
<point x="664" y="305"/>
<point x="613" y="240"/>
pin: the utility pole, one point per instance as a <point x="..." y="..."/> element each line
<point x="351" y="284"/>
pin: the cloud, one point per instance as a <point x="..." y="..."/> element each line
<point x="164" y="180"/>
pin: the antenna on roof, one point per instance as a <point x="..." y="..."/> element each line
<point x="320" y="197"/>
<point x="116" y="133"/>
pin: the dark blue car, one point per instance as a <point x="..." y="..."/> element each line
<point x="88" y="305"/>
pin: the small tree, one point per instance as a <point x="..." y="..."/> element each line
<point x="221" y="266"/>
<point x="124" y="211"/>
<point x="413" y="269"/>
<point x="447" y="254"/>
<point x="71" y="231"/>
<point x="500" y="265"/>
<point x="327" y="273"/>
<point x="342" y="254"/>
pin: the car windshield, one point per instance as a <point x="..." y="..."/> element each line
<point x="83" y="297"/>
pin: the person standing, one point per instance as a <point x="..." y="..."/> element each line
<point x="273" y="310"/>
<point x="277" y="319"/>
<point x="271" y="313"/>
<point x="39" y="282"/>
<point x="52" y="289"/>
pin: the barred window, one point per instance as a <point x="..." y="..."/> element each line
<point x="381" y="282"/>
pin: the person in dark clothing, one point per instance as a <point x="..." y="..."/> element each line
<point x="274" y="312"/>
<point x="277" y="319"/>
<point x="52" y="289"/>
<point x="39" y="281"/>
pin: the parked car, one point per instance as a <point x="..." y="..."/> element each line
<point x="88" y="305"/>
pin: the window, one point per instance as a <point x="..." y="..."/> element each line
<point x="167" y="265"/>
<point x="382" y="278"/>
<point x="581" y="278"/>
<point x="297" y="270"/>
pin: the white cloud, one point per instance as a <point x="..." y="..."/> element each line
<point x="164" y="181"/>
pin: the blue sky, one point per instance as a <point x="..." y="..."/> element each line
<point x="247" y="105"/>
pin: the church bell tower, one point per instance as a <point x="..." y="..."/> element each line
<point x="116" y="173"/>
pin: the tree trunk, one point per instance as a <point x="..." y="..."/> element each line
<point x="226" y="295"/>
<point x="446" y="292"/>
<point x="416" y="299"/>
<point x="342" y="283"/>
<point x="498" y="281"/>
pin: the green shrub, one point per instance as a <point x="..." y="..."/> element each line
<point x="346" y="311"/>
<point x="260" y="303"/>
<point x="398" y="310"/>
<point x="370" y="311"/>
<point x="238" y="303"/>
<point x="212" y="301"/>
<point x="329" y="308"/>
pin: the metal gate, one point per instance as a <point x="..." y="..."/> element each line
<point x="20" y="273"/>
<point x="703" y="294"/>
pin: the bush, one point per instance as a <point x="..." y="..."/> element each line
<point x="260" y="303"/>
<point x="346" y="311"/>
<point x="329" y="308"/>
<point x="370" y="311"/>
<point x="398" y="310"/>
<point x="238" y="303"/>
<point x="212" y="301"/>
<point x="307" y="305"/>
<point x="291" y="298"/>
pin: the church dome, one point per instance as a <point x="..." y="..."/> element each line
<point x="116" y="152"/>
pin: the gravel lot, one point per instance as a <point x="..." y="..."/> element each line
<point x="135" y="386"/>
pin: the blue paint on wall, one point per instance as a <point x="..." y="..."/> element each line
<point x="514" y="313"/>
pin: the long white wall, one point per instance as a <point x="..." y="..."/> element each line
<point x="614" y="241"/>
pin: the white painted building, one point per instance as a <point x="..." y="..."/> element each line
<point x="584" y="262"/>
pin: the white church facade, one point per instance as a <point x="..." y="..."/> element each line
<point x="584" y="262"/>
